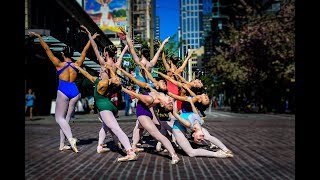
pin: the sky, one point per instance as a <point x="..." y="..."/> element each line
<point x="168" y="11"/>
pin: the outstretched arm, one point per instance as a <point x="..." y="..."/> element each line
<point x="165" y="63"/>
<point x="146" y="99"/>
<point x="114" y="78"/>
<point x="112" y="73"/>
<point x="186" y="87"/>
<point x="194" y="109"/>
<point x="156" y="56"/>
<point x="94" y="46"/>
<point x="181" y="78"/>
<point x="45" y="46"/>
<point x="119" y="60"/>
<point x="85" y="73"/>
<point x="131" y="47"/>
<point x="155" y="82"/>
<point x="184" y="122"/>
<point x="84" y="51"/>
<point x="169" y="79"/>
<point x="184" y="64"/>
<point x="177" y="97"/>
<point x="141" y="84"/>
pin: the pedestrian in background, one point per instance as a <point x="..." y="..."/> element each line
<point x="30" y="97"/>
<point x="127" y="101"/>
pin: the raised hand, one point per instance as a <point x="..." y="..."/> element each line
<point x="123" y="31"/>
<point x="34" y="34"/>
<point x="166" y="40"/>
<point x="84" y="29"/>
<point x="95" y="35"/>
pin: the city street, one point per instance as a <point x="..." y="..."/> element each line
<point x="263" y="146"/>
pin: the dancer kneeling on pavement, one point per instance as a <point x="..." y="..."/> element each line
<point x="190" y="119"/>
<point x="103" y="87"/>
<point x="144" y="115"/>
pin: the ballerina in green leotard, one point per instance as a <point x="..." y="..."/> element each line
<point x="104" y="87"/>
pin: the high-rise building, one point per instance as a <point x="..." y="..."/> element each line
<point x="141" y="23"/>
<point x="195" y="22"/>
<point x="191" y="24"/>
<point x="157" y="28"/>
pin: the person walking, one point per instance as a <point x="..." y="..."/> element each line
<point x="30" y="98"/>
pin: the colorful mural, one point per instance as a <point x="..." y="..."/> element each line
<point x="108" y="14"/>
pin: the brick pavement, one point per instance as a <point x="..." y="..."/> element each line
<point x="263" y="150"/>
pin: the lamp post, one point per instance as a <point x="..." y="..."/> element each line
<point x="211" y="93"/>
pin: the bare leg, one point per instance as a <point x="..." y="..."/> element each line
<point x="185" y="145"/>
<point x="31" y="109"/>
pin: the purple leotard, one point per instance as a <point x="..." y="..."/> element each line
<point x="142" y="109"/>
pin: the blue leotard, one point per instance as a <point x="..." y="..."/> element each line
<point x="69" y="89"/>
<point x="142" y="79"/>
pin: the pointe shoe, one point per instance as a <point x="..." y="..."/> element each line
<point x="229" y="153"/>
<point x="136" y="149"/>
<point x="119" y="145"/>
<point x="131" y="157"/>
<point x="101" y="149"/>
<point x="175" y="159"/>
<point x="73" y="143"/>
<point x="222" y="154"/>
<point x="158" y="147"/>
<point x="65" y="147"/>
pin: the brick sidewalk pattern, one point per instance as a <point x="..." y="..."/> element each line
<point x="264" y="149"/>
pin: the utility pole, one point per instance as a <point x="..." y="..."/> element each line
<point x="148" y="20"/>
<point x="152" y="29"/>
<point x="129" y="15"/>
<point x="179" y="40"/>
<point x="148" y="25"/>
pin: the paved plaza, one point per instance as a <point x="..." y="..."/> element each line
<point x="263" y="146"/>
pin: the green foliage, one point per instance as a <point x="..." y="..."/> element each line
<point x="258" y="53"/>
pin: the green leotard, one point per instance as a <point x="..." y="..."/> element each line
<point x="102" y="101"/>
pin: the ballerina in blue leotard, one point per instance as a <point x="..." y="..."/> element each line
<point x="67" y="93"/>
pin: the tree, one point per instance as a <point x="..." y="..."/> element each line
<point x="256" y="58"/>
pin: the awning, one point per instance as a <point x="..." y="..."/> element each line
<point x="57" y="46"/>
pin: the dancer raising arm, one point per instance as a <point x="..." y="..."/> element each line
<point x="171" y="66"/>
<point x="107" y="110"/>
<point x="109" y="53"/>
<point x="144" y="115"/>
<point x="138" y="129"/>
<point x="67" y="93"/>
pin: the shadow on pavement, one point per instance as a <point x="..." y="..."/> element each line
<point x="86" y="141"/>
